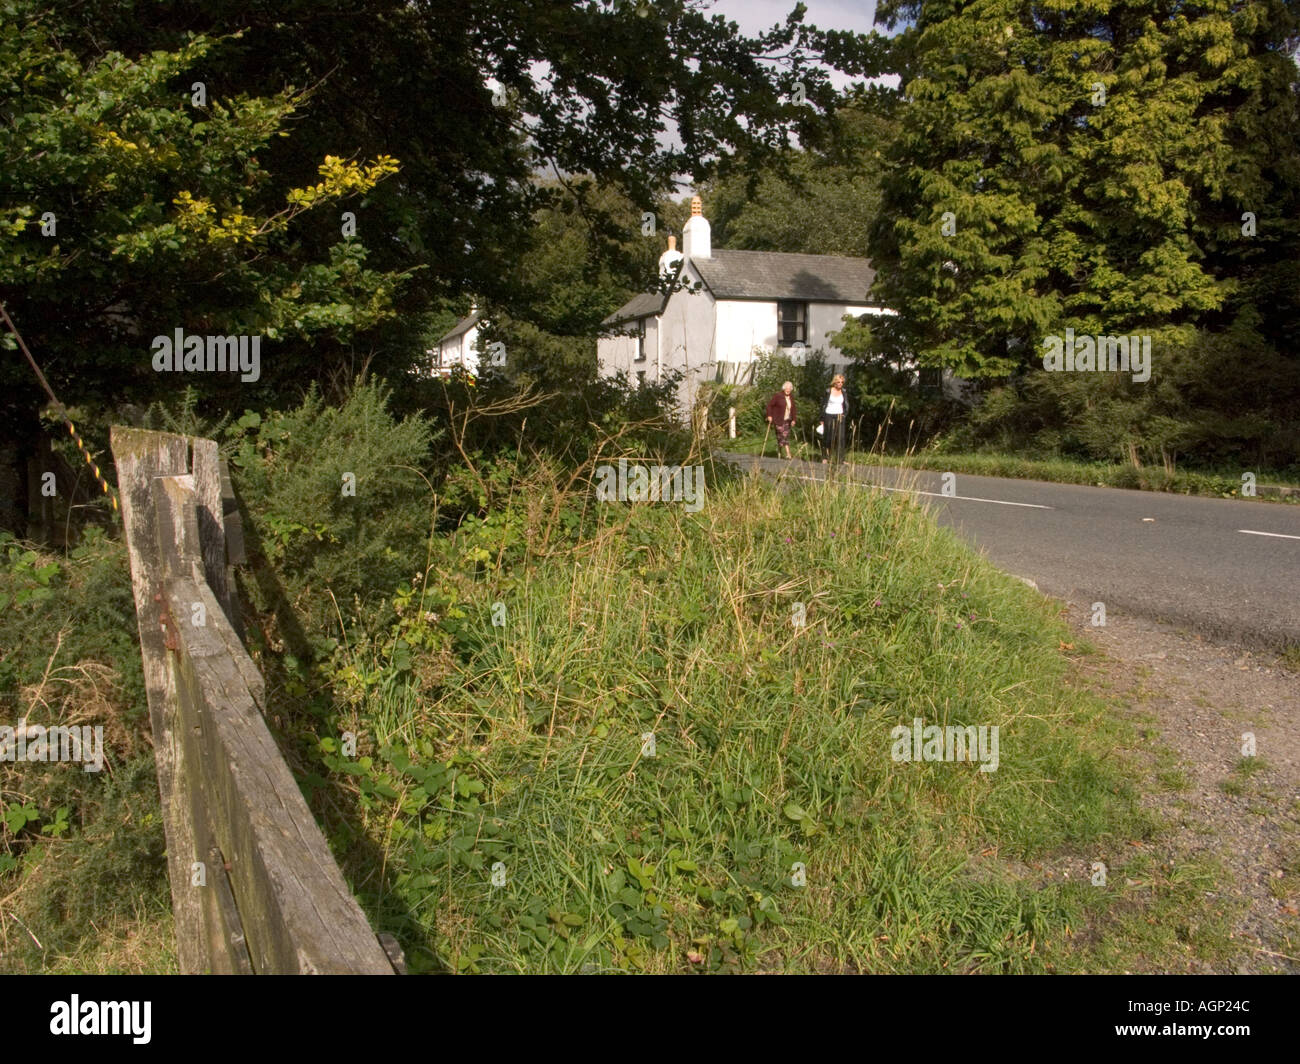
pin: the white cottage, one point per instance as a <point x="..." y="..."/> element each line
<point x="458" y="347"/>
<point x="749" y="302"/>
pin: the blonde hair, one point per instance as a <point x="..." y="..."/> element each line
<point x="837" y="381"/>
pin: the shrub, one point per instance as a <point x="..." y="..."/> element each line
<point x="331" y="539"/>
<point x="771" y="370"/>
<point x="1213" y="399"/>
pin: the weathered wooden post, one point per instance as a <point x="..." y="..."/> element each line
<point x="139" y="458"/>
<point x="254" y="886"/>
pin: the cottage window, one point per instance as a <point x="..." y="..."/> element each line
<point x="792" y="323"/>
<point x="640" y="340"/>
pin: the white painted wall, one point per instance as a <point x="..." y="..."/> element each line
<point x="689" y="324"/>
<point x="460" y="350"/>
<point x="743" y="325"/>
<point x="746" y="324"/>
<point x="615" y="353"/>
<point x="826" y="318"/>
<point x="651" y="363"/>
<point x="618" y="352"/>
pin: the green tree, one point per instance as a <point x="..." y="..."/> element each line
<point x="818" y="202"/>
<point x="1072" y="166"/>
<point x="129" y="212"/>
<point x="584" y="248"/>
<point x="361" y="80"/>
<point x="1114" y="168"/>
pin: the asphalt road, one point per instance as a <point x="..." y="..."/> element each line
<point x="1227" y="568"/>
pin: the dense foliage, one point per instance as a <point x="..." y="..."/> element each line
<point x="330" y="175"/>
<point x="1112" y="168"/>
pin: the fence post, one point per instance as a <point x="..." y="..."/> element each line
<point x="140" y="457"/>
<point x="266" y="894"/>
<point x="206" y="470"/>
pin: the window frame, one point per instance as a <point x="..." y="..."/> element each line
<point x="640" y="355"/>
<point x="801" y="322"/>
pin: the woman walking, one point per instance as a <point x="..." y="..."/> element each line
<point x="835" y="415"/>
<point x="781" y="414"/>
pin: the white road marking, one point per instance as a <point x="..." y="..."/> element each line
<point x="937" y="494"/>
<point x="1276" y="535"/>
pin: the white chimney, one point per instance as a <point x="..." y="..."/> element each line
<point x="697" y="242"/>
<point x="670" y="259"/>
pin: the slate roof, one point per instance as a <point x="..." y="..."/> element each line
<point x="780" y="275"/>
<point x="461" y="327"/>
<point x="639" y="306"/>
<point x="767" y="275"/>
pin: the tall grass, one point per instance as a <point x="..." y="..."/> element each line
<point x="83" y="873"/>
<point x="527" y="762"/>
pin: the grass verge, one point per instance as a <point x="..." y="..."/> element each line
<point x="647" y="765"/>
<point x="1221" y="484"/>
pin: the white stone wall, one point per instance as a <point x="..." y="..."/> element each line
<point x="460" y="350"/>
<point x="689" y="324"/>
<point x="618" y="352"/>
<point x="745" y="324"/>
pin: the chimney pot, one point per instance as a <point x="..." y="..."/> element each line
<point x="696" y="239"/>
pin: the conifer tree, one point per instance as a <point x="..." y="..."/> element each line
<point x="1086" y="165"/>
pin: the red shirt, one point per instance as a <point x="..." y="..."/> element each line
<point x="777" y="406"/>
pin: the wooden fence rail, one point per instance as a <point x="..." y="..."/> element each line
<point x="254" y="887"/>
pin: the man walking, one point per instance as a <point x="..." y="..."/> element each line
<point x="781" y="415"/>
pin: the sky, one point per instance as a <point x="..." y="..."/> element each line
<point x="755" y="15"/>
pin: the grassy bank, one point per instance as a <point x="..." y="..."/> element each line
<point x="528" y="762"/>
<point x="1222" y="484"/>
<point x="83" y="876"/>
<point x="767" y="829"/>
